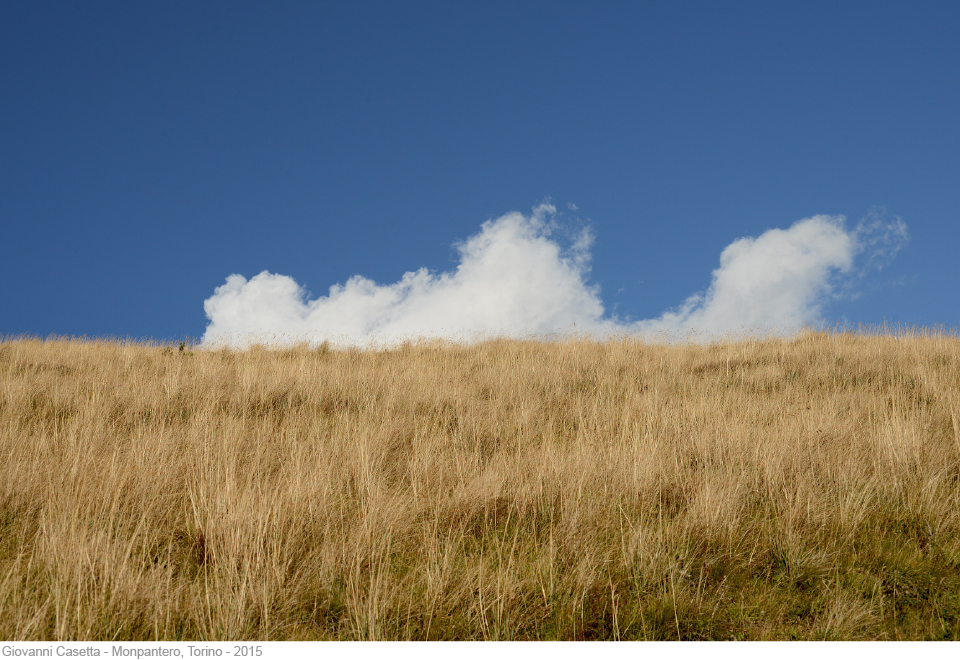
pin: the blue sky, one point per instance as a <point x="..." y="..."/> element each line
<point x="148" y="151"/>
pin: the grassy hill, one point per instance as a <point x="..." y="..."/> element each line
<point x="800" y="488"/>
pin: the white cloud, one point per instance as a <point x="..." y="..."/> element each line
<point x="773" y="282"/>
<point x="515" y="280"/>
<point x="879" y="238"/>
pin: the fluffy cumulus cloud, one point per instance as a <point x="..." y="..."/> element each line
<point x="773" y="282"/>
<point x="514" y="279"/>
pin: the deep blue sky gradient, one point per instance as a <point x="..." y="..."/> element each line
<point x="149" y="150"/>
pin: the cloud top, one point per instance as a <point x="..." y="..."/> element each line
<point x="515" y="279"/>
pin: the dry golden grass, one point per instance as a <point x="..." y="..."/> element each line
<point x="764" y="489"/>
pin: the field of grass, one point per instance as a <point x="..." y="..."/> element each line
<point x="799" y="488"/>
